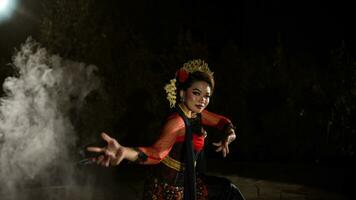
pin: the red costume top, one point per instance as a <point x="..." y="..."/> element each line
<point x="173" y="133"/>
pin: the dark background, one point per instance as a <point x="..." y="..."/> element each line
<point x="285" y="70"/>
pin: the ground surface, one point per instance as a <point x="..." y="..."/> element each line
<point x="256" y="182"/>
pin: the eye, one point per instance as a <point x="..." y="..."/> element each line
<point x="196" y="93"/>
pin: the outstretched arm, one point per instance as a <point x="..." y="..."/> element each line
<point x="114" y="153"/>
<point x="160" y="149"/>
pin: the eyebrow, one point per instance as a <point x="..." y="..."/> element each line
<point x="196" y="89"/>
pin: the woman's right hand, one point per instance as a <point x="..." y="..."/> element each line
<point x="112" y="154"/>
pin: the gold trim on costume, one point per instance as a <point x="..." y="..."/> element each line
<point x="174" y="164"/>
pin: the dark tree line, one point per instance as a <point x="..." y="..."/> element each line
<point x="289" y="104"/>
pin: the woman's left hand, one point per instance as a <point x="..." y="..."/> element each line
<point x="223" y="145"/>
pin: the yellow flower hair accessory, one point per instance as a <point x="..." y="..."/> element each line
<point x="171" y="92"/>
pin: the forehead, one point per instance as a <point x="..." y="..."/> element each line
<point x="202" y="86"/>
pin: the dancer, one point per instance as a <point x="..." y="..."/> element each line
<point x="174" y="156"/>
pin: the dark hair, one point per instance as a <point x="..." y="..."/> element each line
<point x="197" y="76"/>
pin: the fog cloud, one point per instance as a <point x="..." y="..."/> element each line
<point x="36" y="132"/>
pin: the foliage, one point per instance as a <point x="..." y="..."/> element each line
<point x="288" y="104"/>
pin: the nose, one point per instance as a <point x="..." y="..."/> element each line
<point x="203" y="100"/>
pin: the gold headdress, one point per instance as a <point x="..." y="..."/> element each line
<point x="182" y="75"/>
<point x="197" y="65"/>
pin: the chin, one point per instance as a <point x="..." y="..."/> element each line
<point x="198" y="111"/>
<point x="195" y="109"/>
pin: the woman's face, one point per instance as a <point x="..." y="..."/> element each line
<point x="197" y="97"/>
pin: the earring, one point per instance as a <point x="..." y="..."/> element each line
<point x="181" y="99"/>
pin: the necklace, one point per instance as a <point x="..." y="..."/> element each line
<point x="185" y="112"/>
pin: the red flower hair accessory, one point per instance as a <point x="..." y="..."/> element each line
<point x="182" y="75"/>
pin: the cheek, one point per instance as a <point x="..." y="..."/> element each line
<point x="207" y="102"/>
<point x="191" y="97"/>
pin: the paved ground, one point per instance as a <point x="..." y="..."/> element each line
<point x="256" y="189"/>
<point x="253" y="189"/>
<point x="289" y="182"/>
<point x="127" y="185"/>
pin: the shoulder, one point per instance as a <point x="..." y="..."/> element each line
<point x="212" y="114"/>
<point x="206" y="112"/>
<point x="175" y="118"/>
<point x="174" y="122"/>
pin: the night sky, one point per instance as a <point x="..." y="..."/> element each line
<point x="301" y="25"/>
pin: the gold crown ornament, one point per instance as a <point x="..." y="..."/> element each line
<point x="197" y="65"/>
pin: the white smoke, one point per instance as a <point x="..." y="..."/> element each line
<point x="36" y="132"/>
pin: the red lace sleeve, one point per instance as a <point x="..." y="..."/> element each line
<point x="160" y="149"/>
<point x="214" y="120"/>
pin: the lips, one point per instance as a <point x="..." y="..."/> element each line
<point x="199" y="106"/>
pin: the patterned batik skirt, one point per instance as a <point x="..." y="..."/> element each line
<point x="208" y="188"/>
<point x="159" y="190"/>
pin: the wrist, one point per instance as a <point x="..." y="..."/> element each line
<point x="229" y="129"/>
<point x="138" y="156"/>
<point x="230" y="132"/>
<point x="124" y="152"/>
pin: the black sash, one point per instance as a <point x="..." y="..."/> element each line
<point x="189" y="170"/>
